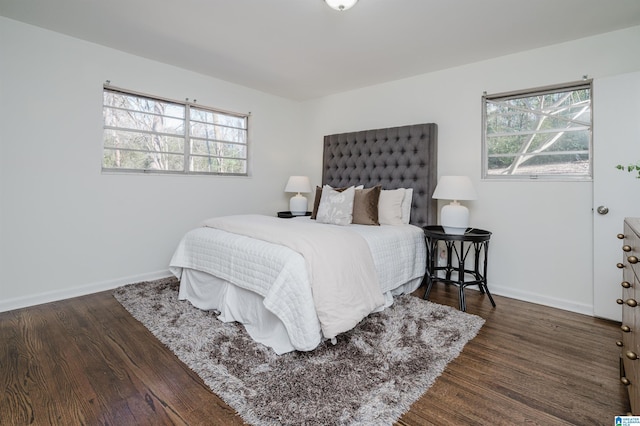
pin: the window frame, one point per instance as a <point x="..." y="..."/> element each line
<point x="188" y="150"/>
<point x="558" y="88"/>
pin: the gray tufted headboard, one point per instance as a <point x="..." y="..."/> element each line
<point x="397" y="157"/>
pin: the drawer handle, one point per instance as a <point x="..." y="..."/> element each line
<point x="619" y="301"/>
<point x="625" y="328"/>
<point x="632" y="303"/>
<point x="620" y="236"/>
<point x="619" y="343"/>
<point x="619" y="265"/>
<point x="625" y="284"/>
<point x="632" y="259"/>
<point x="625" y="381"/>
<point x="626" y="247"/>
<point x="631" y="355"/>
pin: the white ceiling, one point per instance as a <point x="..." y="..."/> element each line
<point x="302" y="49"/>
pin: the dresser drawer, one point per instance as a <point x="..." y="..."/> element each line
<point x="630" y="326"/>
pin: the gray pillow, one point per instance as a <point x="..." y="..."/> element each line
<point x="316" y="201"/>
<point x="336" y="207"/>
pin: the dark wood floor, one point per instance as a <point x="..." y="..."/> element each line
<point x="87" y="361"/>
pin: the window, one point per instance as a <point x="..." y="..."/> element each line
<point x="146" y="134"/>
<point x="539" y="133"/>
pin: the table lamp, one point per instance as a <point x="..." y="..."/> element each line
<point x="454" y="217"/>
<point x="298" y="203"/>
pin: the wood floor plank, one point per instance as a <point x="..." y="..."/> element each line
<point x="87" y="361"/>
<point x="552" y="361"/>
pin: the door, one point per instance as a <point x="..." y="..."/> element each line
<point x="616" y="194"/>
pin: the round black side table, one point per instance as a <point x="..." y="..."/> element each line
<point x="475" y="242"/>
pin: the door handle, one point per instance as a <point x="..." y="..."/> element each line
<point x="602" y="210"/>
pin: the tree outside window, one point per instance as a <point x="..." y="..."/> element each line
<point x="146" y="134"/>
<point x="539" y="133"/>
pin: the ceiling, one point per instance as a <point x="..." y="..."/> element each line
<point x="302" y="49"/>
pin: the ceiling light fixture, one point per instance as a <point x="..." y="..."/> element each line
<point x="341" y="4"/>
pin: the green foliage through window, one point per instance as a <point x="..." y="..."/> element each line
<point x="146" y="134"/>
<point x="538" y="133"/>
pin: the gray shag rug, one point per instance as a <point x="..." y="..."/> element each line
<point x="370" y="377"/>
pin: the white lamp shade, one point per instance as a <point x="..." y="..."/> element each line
<point x="341" y="4"/>
<point x="454" y="217"/>
<point x="455" y="188"/>
<point x="298" y="184"/>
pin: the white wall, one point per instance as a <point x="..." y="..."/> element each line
<point x="68" y="229"/>
<point x="541" y="248"/>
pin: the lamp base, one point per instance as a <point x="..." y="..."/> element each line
<point x="454" y="231"/>
<point x="298" y="205"/>
<point x="454" y="218"/>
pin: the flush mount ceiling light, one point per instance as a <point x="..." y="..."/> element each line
<point x="341" y="4"/>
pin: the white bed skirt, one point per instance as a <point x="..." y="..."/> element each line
<point x="234" y="303"/>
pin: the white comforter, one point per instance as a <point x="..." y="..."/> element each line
<point x="344" y="284"/>
<point x="280" y="274"/>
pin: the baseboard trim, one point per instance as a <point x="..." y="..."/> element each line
<point x="525" y="296"/>
<point x="52" y="296"/>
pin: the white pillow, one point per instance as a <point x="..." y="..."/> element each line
<point x="336" y="207"/>
<point x="406" y="205"/>
<point x="390" y="206"/>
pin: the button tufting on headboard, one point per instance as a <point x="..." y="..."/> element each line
<point x="397" y="157"/>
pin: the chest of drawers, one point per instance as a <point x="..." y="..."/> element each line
<point x="630" y="343"/>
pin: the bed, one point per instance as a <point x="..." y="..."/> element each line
<point x="260" y="271"/>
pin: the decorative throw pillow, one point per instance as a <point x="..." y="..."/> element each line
<point x="365" y="206"/>
<point x="336" y="207"/>
<point x="390" y="207"/>
<point x="406" y="205"/>
<point x="316" y="201"/>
